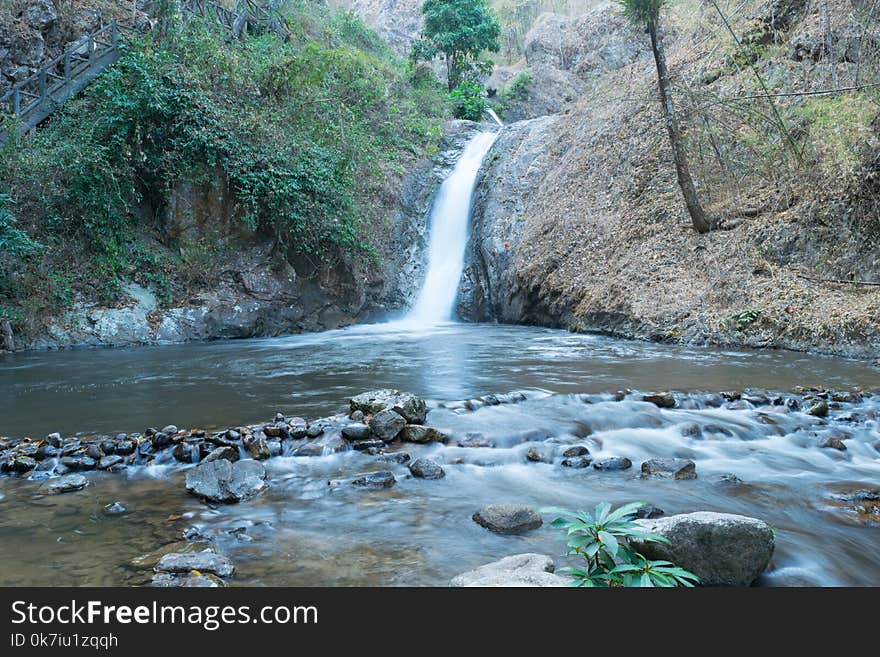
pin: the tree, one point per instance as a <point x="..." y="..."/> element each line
<point x="459" y="30"/>
<point x="647" y="13"/>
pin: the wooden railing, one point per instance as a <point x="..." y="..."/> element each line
<point x="32" y="100"/>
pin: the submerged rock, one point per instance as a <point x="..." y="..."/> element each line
<point x="66" y="484"/>
<point x="375" y="480"/>
<point x="224" y="482"/>
<point x="577" y="450"/>
<point x="508" y="518"/>
<point x="515" y="570"/>
<point x="426" y="469"/>
<point x="387" y="424"/>
<point x="206" y="561"/>
<point x="833" y="442"/>
<point x="394" y="457"/>
<point x="534" y="456"/>
<point x="722" y="549"/>
<point x="670" y="468"/>
<point x="413" y="409"/>
<point x="185" y="580"/>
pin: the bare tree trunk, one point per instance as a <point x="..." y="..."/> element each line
<point x="679" y="154"/>
<point x="8" y="341"/>
<point x="829" y="43"/>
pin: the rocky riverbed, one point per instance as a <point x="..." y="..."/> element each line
<point x="391" y="453"/>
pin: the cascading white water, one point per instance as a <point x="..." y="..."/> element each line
<point x="447" y="240"/>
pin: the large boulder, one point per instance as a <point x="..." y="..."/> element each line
<point x="225" y="482"/>
<point x="722" y="549"/>
<point x="508" y="518"/>
<point x="515" y="570"/>
<point x="413" y="409"/>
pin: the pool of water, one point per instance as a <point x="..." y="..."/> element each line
<point x="311" y="527"/>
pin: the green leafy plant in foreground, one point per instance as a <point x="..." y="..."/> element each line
<point x="603" y="540"/>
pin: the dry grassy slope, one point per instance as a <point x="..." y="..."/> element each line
<point x="607" y="244"/>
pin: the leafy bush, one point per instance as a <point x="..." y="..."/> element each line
<point x="602" y="539"/>
<point x="303" y="132"/>
<point x="518" y="87"/>
<point x="468" y="101"/>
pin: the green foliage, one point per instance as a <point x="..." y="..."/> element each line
<point x="14" y="242"/>
<point x="743" y="319"/>
<point x="468" y="101"/>
<point x="460" y="30"/>
<point x="642" y="12"/>
<point x="602" y="540"/>
<point x="303" y="132"/>
<point x="837" y="126"/>
<point x="518" y="88"/>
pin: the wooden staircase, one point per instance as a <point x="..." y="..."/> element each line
<point x="34" y="99"/>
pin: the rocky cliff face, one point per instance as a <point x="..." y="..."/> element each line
<point x="578" y="221"/>
<point x="244" y="285"/>
<point x="33" y="32"/>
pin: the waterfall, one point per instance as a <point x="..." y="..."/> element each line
<point x="447" y="240"/>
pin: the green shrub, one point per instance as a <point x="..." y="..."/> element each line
<point x="602" y="539"/>
<point x="468" y="101"/>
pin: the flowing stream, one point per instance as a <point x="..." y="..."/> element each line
<point x="759" y="455"/>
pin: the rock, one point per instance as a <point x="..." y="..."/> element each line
<point x="515" y="570"/>
<point x="114" y="509"/>
<point x="160" y="439"/>
<point x="413" y="409"/>
<point x="394" y="457"/>
<point x="94" y="452"/>
<point x="297" y="428"/>
<point x="673" y="468"/>
<point x="577" y="462"/>
<point x="188" y="580"/>
<point x="662" y="399"/>
<point x="66" y="484"/>
<point x="721" y="549"/>
<point x="110" y="462"/>
<point x="426" y="469"/>
<point x="476" y="440"/>
<point x="577" y="450"/>
<point x="508" y="518"/>
<point x="79" y="462"/>
<point x="19" y="463"/>
<point x="314" y="430"/>
<point x="54" y="439"/>
<point x="125" y="447"/>
<point x="819" y="409"/>
<point x="372" y="446"/>
<point x="649" y="511"/>
<point x="412" y="433"/>
<point x="204" y="562"/>
<point x="224" y="482"/>
<point x="613" y="463"/>
<point x="170" y="429"/>
<point x="535" y="456"/>
<point x="40" y="14"/>
<point x="376" y="480"/>
<point x="309" y="449"/>
<point x="356" y="432"/>
<point x="833" y="442"/>
<point x="185" y="452"/>
<point x="257" y="447"/>
<point x="692" y="430"/>
<point x="357" y="416"/>
<point x="387" y="424"/>
<point x="225" y="452"/>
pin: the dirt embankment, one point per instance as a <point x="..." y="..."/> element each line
<point x="601" y="240"/>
